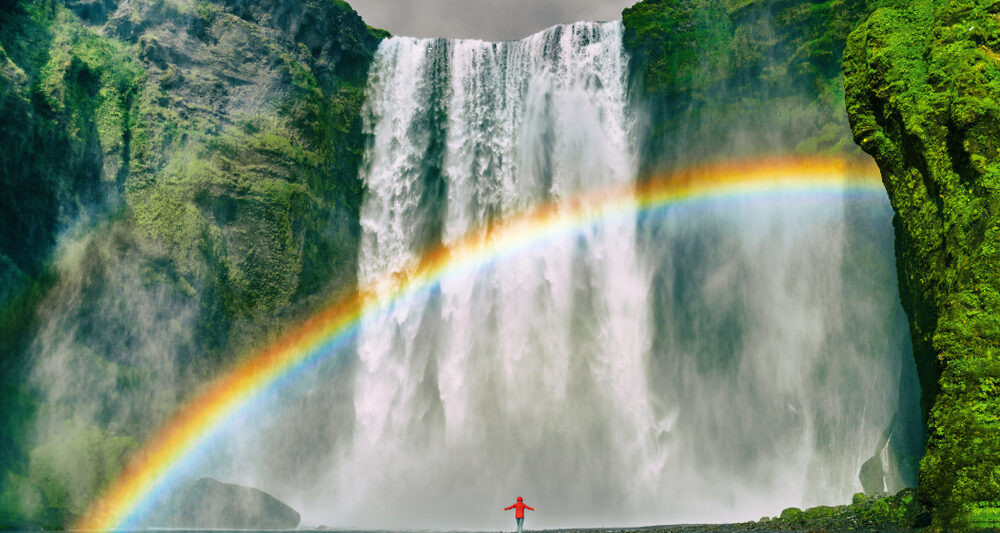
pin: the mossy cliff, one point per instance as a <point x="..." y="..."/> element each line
<point x="923" y="80"/>
<point x="179" y="181"/>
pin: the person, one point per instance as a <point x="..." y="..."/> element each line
<point x="519" y="508"/>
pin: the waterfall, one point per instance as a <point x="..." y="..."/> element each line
<point x="488" y="384"/>
<point x="705" y="366"/>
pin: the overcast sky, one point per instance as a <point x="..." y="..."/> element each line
<point x="492" y="20"/>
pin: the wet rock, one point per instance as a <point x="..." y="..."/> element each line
<point x="872" y="477"/>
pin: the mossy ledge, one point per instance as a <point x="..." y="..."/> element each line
<point x="899" y="512"/>
<point x="922" y="86"/>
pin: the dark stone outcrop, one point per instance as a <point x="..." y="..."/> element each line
<point x="211" y="504"/>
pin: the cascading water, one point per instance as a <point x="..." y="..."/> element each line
<point x="704" y="364"/>
<point x="528" y="373"/>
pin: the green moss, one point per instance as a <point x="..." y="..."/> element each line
<point x="922" y="80"/>
<point x="66" y="100"/>
<point x="792" y="513"/>
<point x="244" y="196"/>
<point x="661" y="34"/>
<point x="91" y="80"/>
<point x="900" y="511"/>
<point x="821" y="512"/>
<point x="983" y="516"/>
<point x="260" y="210"/>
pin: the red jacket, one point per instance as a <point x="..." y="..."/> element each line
<point x="520" y="509"/>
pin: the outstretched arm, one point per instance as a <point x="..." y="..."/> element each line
<point x="529" y="508"/>
<point x="509" y="508"/>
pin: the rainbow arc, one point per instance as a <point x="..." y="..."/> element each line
<point x="147" y="474"/>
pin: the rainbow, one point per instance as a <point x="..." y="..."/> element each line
<point x="152" y="469"/>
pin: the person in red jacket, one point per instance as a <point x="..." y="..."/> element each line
<point x="519" y="507"/>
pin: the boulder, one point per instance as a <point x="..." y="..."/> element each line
<point x="210" y="504"/>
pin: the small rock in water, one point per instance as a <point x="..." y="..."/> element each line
<point x="211" y="504"/>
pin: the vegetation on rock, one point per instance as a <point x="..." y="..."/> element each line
<point x="922" y="85"/>
<point x="902" y="511"/>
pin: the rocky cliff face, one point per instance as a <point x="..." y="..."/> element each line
<point x="922" y="93"/>
<point x="177" y="176"/>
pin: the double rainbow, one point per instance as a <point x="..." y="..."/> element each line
<point x="148" y="473"/>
